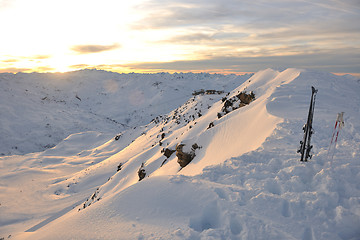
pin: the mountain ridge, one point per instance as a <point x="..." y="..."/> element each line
<point x="56" y="105"/>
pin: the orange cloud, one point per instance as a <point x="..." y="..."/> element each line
<point x="39" y="57"/>
<point x="10" y="60"/>
<point x="43" y="69"/>
<point x="21" y="58"/>
<point x="106" y="67"/>
<point x="80" y="66"/>
<point x="85" y="49"/>
<point x="14" y="70"/>
<point x="353" y="74"/>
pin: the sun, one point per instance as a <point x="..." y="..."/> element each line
<point x="52" y="28"/>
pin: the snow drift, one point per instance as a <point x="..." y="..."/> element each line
<point x="244" y="181"/>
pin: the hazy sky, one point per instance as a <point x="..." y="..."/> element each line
<point x="179" y="35"/>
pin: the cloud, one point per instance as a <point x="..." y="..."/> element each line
<point x="105" y="67"/>
<point x="86" y="49"/>
<point x="248" y="16"/>
<point x="10" y="60"/>
<point x="340" y="61"/>
<point x="21" y="58"/>
<point x="181" y="13"/>
<point x="166" y="14"/>
<point x="40" y="57"/>
<point x="43" y="69"/>
<point x="14" y="70"/>
<point x="190" y="38"/>
<point x="250" y="35"/>
<point x="97" y="66"/>
<point x="33" y="69"/>
<point x="80" y="66"/>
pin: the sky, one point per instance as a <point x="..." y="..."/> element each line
<point x="223" y="36"/>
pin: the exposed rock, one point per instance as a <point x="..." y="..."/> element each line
<point x="119" y="167"/>
<point x="201" y="91"/>
<point x="211" y="125"/>
<point x="228" y="103"/>
<point x="141" y="172"/>
<point x="168" y="152"/>
<point x="238" y="101"/>
<point x="117" y="137"/>
<point x="184" y="158"/>
<point x="246" y="98"/>
<point x="194" y="147"/>
<point x="78" y="97"/>
<point x="208" y="92"/>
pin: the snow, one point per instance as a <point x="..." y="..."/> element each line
<point x="245" y="181"/>
<point x="44" y="108"/>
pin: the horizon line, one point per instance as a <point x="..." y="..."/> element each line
<point x="155" y="71"/>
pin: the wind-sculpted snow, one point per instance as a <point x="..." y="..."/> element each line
<point x="244" y="182"/>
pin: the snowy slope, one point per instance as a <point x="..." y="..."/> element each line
<point x="245" y="181"/>
<point x="38" y="110"/>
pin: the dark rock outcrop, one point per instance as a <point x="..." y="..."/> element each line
<point x="119" y="167"/>
<point x="141" y="172"/>
<point x="168" y="152"/>
<point x="246" y="98"/>
<point x="184" y="158"/>
<point x="240" y="100"/>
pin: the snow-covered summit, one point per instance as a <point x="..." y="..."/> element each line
<point x="244" y="181"/>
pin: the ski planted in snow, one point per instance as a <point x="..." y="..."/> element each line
<point x="305" y="146"/>
<point x="338" y="125"/>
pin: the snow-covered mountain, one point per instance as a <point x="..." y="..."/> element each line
<point x="240" y="175"/>
<point x="38" y="110"/>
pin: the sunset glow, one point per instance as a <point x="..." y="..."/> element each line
<point x="152" y="36"/>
